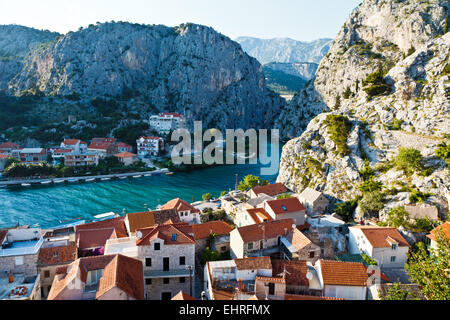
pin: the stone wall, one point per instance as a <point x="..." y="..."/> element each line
<point x="28" y="268"/>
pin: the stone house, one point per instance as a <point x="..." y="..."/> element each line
<point x="141" y="220"/>
<point x="298" y="246"/>
<point x="423" y="212"/>
<point x="186" y="211"/>
<point x="202" y="234"/>
<point x="271" y="190"/>
<point x="286" y="209"/>
<point x="252" y="216"/>
<point x="314" y="201"/>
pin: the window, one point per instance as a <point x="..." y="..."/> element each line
<point x="250" y="246"/>
<point x="394" y="246"/>
<point x="19" y="261"/>
<point x="166" y="280"/>
<point x="148" y="262"/>
<point x="182" y="280"/>
<point x="148" y="281"/>
<point x="94" y="276"/>
<point x="157" y="246"/>
<point x="223" y="248"/>
<point x="393" y="258"/>
<point x="182" y="261"/>
<point x="311" y="254"/>
<point x="47" y="274"/>
<point x="174" y="237"/>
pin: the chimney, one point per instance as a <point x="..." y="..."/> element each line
<point x="241" y="286"/>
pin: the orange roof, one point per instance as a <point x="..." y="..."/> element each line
<point x="179" y="205"/>
<point x="100" y="145"/>
<point x="283" y="206"/>
<point x="445" y="228"/>
<point x="4" y="156"/>
<point x="202" y="231"/>
<point x="62" y="150"/>
<point x="116" y="223"/>
<point x="309" y="298"/>
<point x="296" y="271"/>
<point x="71" y="142"/>
<point x="253" y="263"/>
<point x="125" y="155"/>
<point x="270" y="189"/>
<point x="343" y="273"/>
<point x="9" y="145"/>
<point x="94" y="238"/>
<point x="124" y="273"/>
<point x="272" y="229"/>
<point x="57" y="255"/>
<point x="142" y="220"/>
<point x="166" y="232"/>
<point x="183" y="296"/>
<point x="382" y="237"/>
<point x="123" y="145"/>
<point x="259" y="215"/>
<point x="298" y="239"/>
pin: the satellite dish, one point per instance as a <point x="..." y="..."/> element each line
<point x="139" y="234"/>
<point x="309" y="276"/>
<point x="294" y="226"/>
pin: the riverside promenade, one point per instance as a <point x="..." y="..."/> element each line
<point x="55" y="181"/>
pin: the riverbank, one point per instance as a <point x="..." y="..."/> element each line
<point x="54" y="181"/>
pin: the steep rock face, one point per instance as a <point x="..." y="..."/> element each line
<point x="190" y="68"/>
<point x="304" y="70"/>
<point x="379" y="34"/>
<point x="285" y="50"/>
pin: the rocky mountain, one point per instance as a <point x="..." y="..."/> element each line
<point x="304" y="70"/>
<point x="384" y="85"/>
<point x="190" y="69"/>
<point x="285" y="50"/>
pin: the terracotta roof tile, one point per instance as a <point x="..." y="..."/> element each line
<point x="283" y="206"/>
<point x="298" y="239"/>
<point x="271" y="279"/>
<point x="125" y="155"/>
<point x="296" y="271"/>
<point x="445" y="228"/>
<point x="116" y="223"/>
<point x="253" y="263"/>
<point x="270" y="189"/>
<point x="183" y="296"/>
<point x="71" y="142"/>
<point x="166" y="232"/>
<point x="272" y="229"/>
<point x="179" y="205"/>
<point x="259" y="215"/>
<point x="343" y="273"/>
<point x="9" y="145"/>
<point x="57" y="255"/>
<point x="94" y="238"/>
<point x="202" y="231"/>
<point x="378" y="237"/>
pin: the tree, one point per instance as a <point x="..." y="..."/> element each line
<point x="397" y="292"/>
<point x="250" y="182"/>
<point x="347" y="93"/>
<point x="409" y="160"/>
<point x="346" y="209"/>
<point x="431" y="270"/>
<point x="223" y="193"/>
<point x="443" y="152"/>
<point x="372" y="203"/>
<point x="284" y="196"/>
<point x="207" y="196"/>
<point x="398" y="217"/>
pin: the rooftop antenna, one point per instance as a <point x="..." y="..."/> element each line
<point x="283" y="274"/>
<point x="123" y="212"/>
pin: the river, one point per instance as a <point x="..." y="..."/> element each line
<point x="48" y="206"/>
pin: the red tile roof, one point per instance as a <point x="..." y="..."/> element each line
<point x="296" y="271"/>
<point x="183" y="296"/>
<point x="124" y="273"/>
<point x="202" y="231"/>
<point x="62" y="150"/>
<point x="445" y="228"/>
<point x="104" y="140"/>
<point x="343" y="273"/>
<point x="165" y="233"/>
<point x="283" y="206"/>
<point x="270" y="189"/>
<point x="308" y="298"/>
<point x="259" y="215"/>
<point x="123" y="145"/>
<point x="179" y="205"/>
<point x="116" y="223"/>
<point x="253" y="263"/>
<point x="9" y="145"/>
<point x="142" y="220"/>
<point x="272" y="229"/>
<point x="4" y="156"/>
<point x="57" y="255"/>
<point x="125" y="155"/>
<point x="379" y="237"/>
<point x="94" y="238"/>
<point x="71" y="142"/>
<point x="100" y="146"/>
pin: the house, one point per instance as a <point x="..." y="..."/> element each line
<point x="257" y="202"/>
<point x="127" y="158"/>
<point x="385" y="245"/>
<point x="286" y="209"/>
<point x="347" y="280"/>
<point x="186" y="211"/>
<point x="423" y="212"/>
<point x="59" y="153"/>
<point x="314" y="201"/>
<point x="168" y="255"/>
<point x="30" y="155"/>
<point x="75" y="145"/>
<point x="202" y="233"/>
<point x="259" y="239"/>
<point x="297" y="246"/>
<point x="142" y="220"/>
<point x="271" y="190"/>
<point x="75" y="159"/>
<point x="103" y="149"/>
<point x="329" y="232"/>
<point x="164" y="123"/>
<point x="270" y="288"/>
<point x="19" y="251"/>
<point x="301" y="277"/>
<point x="123" y="147"/>
<point x="431" y="238"/>
<point x="8" y="147"/>
<point x="183" y="296"/>
<point x="248" y="217"/>
<point x="54" y="253"/>
<point x="148" y="147"/>
<point x="224" y="279"/>
<point x="104" y="140"/>
<point x="113" y="277"/>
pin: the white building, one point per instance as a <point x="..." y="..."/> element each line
<point x="149" y="146"/>
<point x="384" y="245"/>
<point x="74" y="144"/>
<point x="164" y="123"/>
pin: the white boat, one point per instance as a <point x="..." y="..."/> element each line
<point x="105" y="216"/>
<point x="73" y="180"/>
<point x="148" y="175"/>
<point x="105" y="179"/>
<point x="90" y="180"/>
<point x="169" y="173"/>
<point x="122" y="178"/>
<point x="137" y="176"/>
<point x="58" y="181"/>
<point x="26" y="185"/>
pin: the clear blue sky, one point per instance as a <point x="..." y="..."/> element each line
<point x="298" y="19"/>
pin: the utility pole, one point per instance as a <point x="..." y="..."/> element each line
<point x="236" y="182"/>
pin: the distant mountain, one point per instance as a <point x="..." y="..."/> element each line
<point x="288" y="78"/>
<point x="285" y="50"/>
